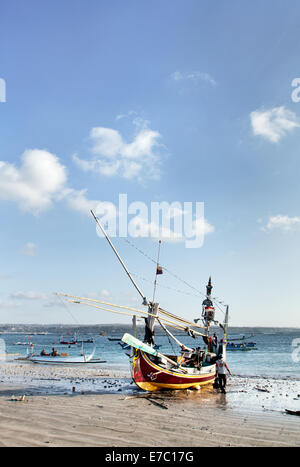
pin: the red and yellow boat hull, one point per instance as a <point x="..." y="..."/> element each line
<point x="152" y="377"/>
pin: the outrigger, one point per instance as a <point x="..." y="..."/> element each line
<point x="152" y="370"/>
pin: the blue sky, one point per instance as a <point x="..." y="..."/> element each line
<point x="163" y="101"/>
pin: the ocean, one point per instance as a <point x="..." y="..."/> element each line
<point x="266" y="379"/>
<point x="277" y="353"/>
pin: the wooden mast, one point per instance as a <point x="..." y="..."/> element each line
<point x="152" y="307"/>
<point x="157" y="271"/>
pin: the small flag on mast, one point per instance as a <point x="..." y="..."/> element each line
<point x="159" y="270"/>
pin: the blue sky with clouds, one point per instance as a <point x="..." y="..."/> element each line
<point x="162" y="101"/>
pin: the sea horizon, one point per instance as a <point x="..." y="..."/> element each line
<point x="13" y="325"/>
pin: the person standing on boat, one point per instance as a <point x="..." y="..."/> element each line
<point x="215" y="343"/>
<point x="221" y="367"/>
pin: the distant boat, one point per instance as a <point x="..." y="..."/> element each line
<point x="240" y="343"/>
<point x="114" y="338"/>
<point x="240" y="346"/>
<point x="28" y="343"/>
<point x="73" y="342"/>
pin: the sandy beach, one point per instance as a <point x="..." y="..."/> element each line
<point x="47" y="406"/>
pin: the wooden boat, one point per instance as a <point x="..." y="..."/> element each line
<point x="240" y="346"/>
<point x="151" y="376"/>
<point x="151" y="370"/>
<point x="241" y="343"/>
<point x="73" y="342"/>
<point x="62" y="359"/>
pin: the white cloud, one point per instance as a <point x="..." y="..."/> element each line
<point x="29" y="296"/>
<point x="283" y="222"/>
<point x="40" y="179"/>
<point x="139" y="122"/>
<point x="35" y="184"/>
<point x="104" y="293"/>
<point x="201" y="226"/>
<point x="77" y="201"/>
<point x="38" y="182"/>
<point x="103" y="167"/>
<point x="29" y="249"/>
<point x="194" y="76"/>
<point x="7" y="304"/>
<point x="106" y="142"/>
<point x="273" y="124"/>
<point x="141" y="227"/>
<point x="139" y="159"/>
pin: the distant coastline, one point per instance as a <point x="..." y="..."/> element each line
<point x="115" y="327"/>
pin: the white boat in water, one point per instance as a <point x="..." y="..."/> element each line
<point x="62" y="359"/>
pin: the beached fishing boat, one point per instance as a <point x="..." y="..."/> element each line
<point x="152" y="370"/>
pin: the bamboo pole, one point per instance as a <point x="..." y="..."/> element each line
<point x="177" y="318"/>
<point x="100" y="301"/>
<point x="161" y="310"/>
<point x="172" y="324"/>
<point x="119" y="258"/>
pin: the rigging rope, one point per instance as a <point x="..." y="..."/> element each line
<point x="165" y="286"/>
<point x="67" y="308"/>
<point x="168" y="271"/>
<point x="170" y="342"/>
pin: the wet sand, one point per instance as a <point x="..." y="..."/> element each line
<point x="112" y="413"/>
<point x="117" y="420"/>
